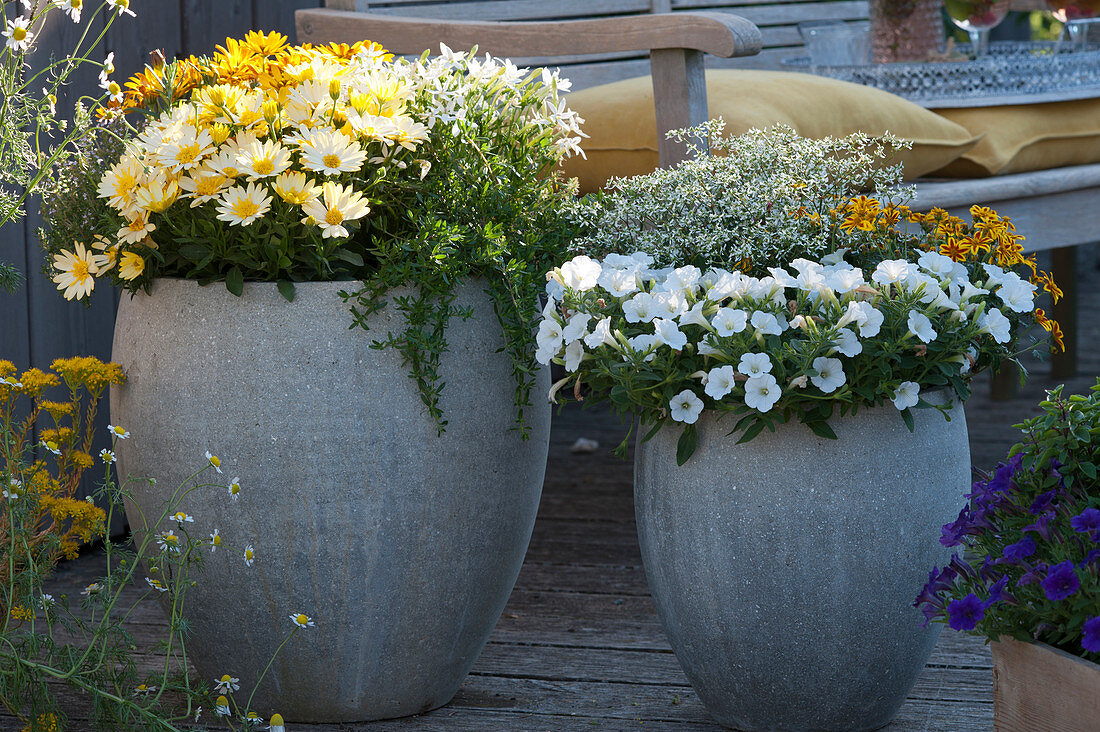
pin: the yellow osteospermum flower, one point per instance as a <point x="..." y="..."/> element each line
<point x="77" y="275"/>
<point x="331" y="153"/>
<point x="185" y="150"/>
<point x="337" y="205"/>
<point x="265" y="44"/>
<point x="108" y="258"/>
<point x="203" y="185"/>
<point x="263" y="159"/>
<point x="131" y="266"/>
<point x="137" y="228"/>
<point x="296" y="188"/>
<point x="242" y="205"/>
<point x="118" y="183"/>
<point x="157" y="194"/>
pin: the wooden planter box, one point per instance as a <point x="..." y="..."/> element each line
<point x="1037" y="688"/>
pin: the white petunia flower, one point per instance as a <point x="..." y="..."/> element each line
<point x="695" y="316"/>
<point x="549" y="339"/>
<point x="669" y="333"/>
<point x="921" y="327"/>
<point x="767" y="323"/>
<point x="685" y="407"/>
<point x="575" y="328"/>
<point x="830" y="374"/>
<point x="574" y="354"/>
<point x="580" y="273"/>
<point x="684" y="279"/>
<point x="728" y="321"/>
<point x="720" y="381"/>
<point x="754" y="364"/>
<point x="847" y="342"/>
<point x="600" y="335"/>
<point x="994" y="274"/>
<point x="938" y="264"/>
<point x="762" y="392"/>
<point x="619" y="282"/>
<point x="640" y="309"/>
<point x="642" y="343"/>
<point x="893" y="270"/>
<point x="1017" y="295"/>
<point x="996" y="324"/>
<point x="846" y="279"/>
<point x="906" y="395"/>
<point x="835" y="257"/>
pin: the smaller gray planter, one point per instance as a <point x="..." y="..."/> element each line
<point x="784" y="569"/>
<point x="401" y="544"/>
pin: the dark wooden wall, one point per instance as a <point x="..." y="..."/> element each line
<point x="36" y="324"/>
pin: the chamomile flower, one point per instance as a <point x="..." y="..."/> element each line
<point x="156" y="584"/>
<point x="93" y="589"/>
<point x="71" y="8"/>
<point x="11" y="495"/>
<point x="226" y="684"/>
<point x="302" y="620"/>
<point x="234" y="488"/>
<point x="336" y="205"/>
<point x="120" y="7"/>
<point x="19" y="38"/>
<point x="119" y="432"/>
<point x="114" y="91"/>
<point x="221" y="706"/>
<point x="276" y="724"/>
<point x="143" y="689"/>
<point x="51" y="446"/>
<point x="214" y="461"/>
<point x="331" y="152"/>
<point x="168" y="541"/>
<point x="76" y="277"/>
<point x="46" y="601"/>
<point x="241" y="205"/>
<point x="107" y="70"/>
<point x="131" y="265"/>
<point x="107" y="456"/>
<point x="249" y="555"/>
<point x="182" y="518"/>
<point x="215" y="541"/>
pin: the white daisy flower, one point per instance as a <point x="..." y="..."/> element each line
<point x="241" y="205"/>
<point x="214" y="461"/>
<point x="336" y="205"/>
<point x="234" y="488"/>
<point x="249" y="555"/>
<point x="19" y="38"/>
<point x="330" y="152"/>
<point x="107" y="456"/>
<point x="168" y="541"/>
<point x="906" y="395"/>
<point x="143" y="689"/>
<point x="182" y="518"/>
<point x="121" y="7"/>
<point x="830" y="374"/>
<point x="276" y="724"/>
<point x="221" y="707"/>
<point x="117" y="431"/>
<point x="46" y="601"/>
<point x="51" y="446"/>
<point x="215" y="541"/>
<point x="226" y="684"/>
<point x="685" y="407"/>
<point x="302" y="620"/>
<point x="262" y="159"/>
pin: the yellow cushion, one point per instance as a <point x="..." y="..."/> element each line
<point x="619" y="119"/>
<point x="1027" y="137"/>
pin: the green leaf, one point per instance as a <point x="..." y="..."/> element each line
<point x="1088" y="469"/>
<point x="753" y="431"/>
<point x="234" y="281"/>
<point x="349" y="257"/>
<point x="194" y="252"/>
<point x="685" y="446"/>
<point x="822" y="429"/>
<point x="907" y="416"/>
<point x="286" y="289"/>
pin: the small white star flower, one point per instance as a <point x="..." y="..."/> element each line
<point x="47" y="601"/>
<point x="685" y="407"/>
<point x="906" y="395"/>
<point x="302" y="620"/>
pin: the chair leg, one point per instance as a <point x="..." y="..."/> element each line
<point x="1063" y="265"/>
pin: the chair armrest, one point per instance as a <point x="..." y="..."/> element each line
<point x="719" y="34"/>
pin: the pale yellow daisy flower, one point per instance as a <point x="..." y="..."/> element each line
<point x="336" y="205"/>
<point x="242" y="205"/>
<point x="330" y="152"/>
<point x="131" y="266"/>
<point x="296" y="188"/>
<point x="77" y="272"/>
<point x="136" y="229"/>
<point x="263" y="159"/>
<point x="203" y="185"/>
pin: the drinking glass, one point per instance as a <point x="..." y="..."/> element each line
<point x="1076" y="16"/>
<point x="977" y="17"/>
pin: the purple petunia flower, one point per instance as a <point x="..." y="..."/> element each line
<point x="1092" y="556"/>
<point x="952" y="534"/>
<point x="1033" y="574"/>
<point x="997" y="593"/>
<point x="1090" y="641"/>
<point x="1016" y="553"/>
<point x="1043" y="502"/>
<point x="1061" y="581"/>
<point x="964" y="614"/>
<point x="1088" y="521"/>
<point x="1042" y="525"/>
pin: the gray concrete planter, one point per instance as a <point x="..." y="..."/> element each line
<point x="402" y="545"/>
<point x="784" y="569"/>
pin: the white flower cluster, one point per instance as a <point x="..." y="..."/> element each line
<point x="814" y="331"/>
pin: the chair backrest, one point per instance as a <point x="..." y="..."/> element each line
<point x="777" y="19"/>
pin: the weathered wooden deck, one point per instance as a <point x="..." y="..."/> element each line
<point x="580" y="645"/>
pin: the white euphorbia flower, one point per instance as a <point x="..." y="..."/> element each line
<point x="754" y="364"/>
<point x="668" y="333"/>
<point x="576" y="327"/>
<point x="685" y="407"/>
<point x="906" y="395"/>
<point x="640" y="309"/>
<point x="921" y="327"/>
<point x="720" y="381"/>
<point x="762" y="392"/>
<point x="767" y="323"/>
<point x="847" y="342"/>
<point x="996" y="324"/>
<point x="600" y="335"/>
<point x="580" y="273"/>
<point x="728" y="321"/>
<point x="830" y="374"/>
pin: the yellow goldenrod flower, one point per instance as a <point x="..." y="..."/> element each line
<point x="77" y="272"/>
<point x="131" y="266"/>
<point x="242" y="205"/>
<point x="296" y="188"/>
<point x="330" y="152"/>
<point x="336" y="205"/>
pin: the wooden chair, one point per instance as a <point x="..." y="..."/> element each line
<point x="600" y="41"/>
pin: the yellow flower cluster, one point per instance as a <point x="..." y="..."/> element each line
<point x="259" y="130"/>
<point x="76" y="522"/>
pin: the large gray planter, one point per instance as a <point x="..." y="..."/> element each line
<point x="784" y="569"/>
<point x="402" y="545"/>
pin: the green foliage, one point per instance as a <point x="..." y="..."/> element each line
<point x="10" y="277"/>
